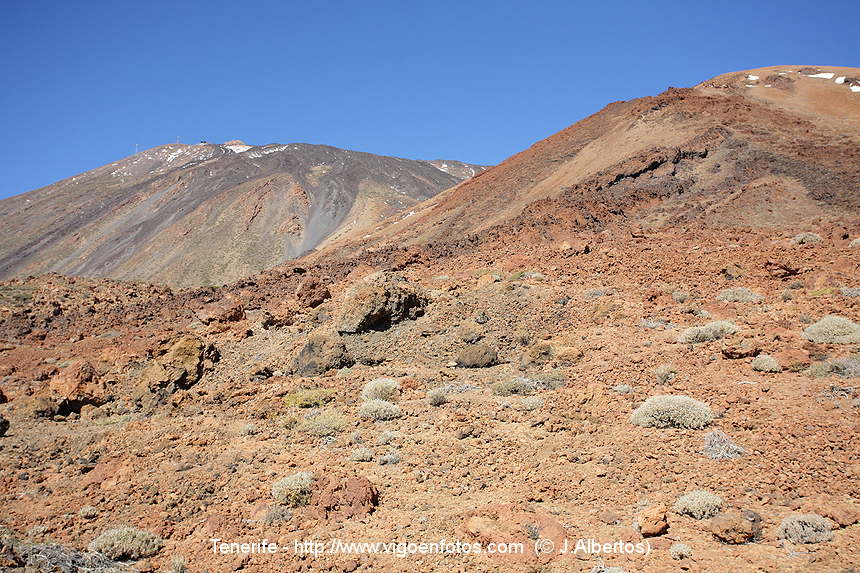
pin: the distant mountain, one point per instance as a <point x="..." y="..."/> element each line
<point x="206" y="214"/>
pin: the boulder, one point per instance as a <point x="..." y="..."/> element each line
<point x="322" y="352"/>
<point x="311" y="292"/>
<point x="228" y="309"/>
<point x="735" y="527"/>
<point x="652" y="521"/>
<point x="79" y="384"/>
<point x="380" y="300"/>
<point x="477" y="356"/>
<point x="4" y="426"/>
<point x="341" y="498"/>
<point x="179" y="364"/>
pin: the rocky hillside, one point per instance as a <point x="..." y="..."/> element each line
<point x="767" y="148"/>
<point x="642" y="354"/>
<point x="192" y="215"/>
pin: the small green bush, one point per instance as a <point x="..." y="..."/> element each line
<point x="294" y="490"/>
<point x="672" y="412"/>
<point x="531" y="403"/>
<point x="665" y="373"/>
<point x="312" y="398"/>
<point x="765" y="363"/>
<point x="391" y="458"/>
<point x="707" y="333"/>
<point x="362" y="455"/>
<point x="833" y="329"/>
<point x="381" y="389"/>
<point x="437" y="397"/>
<point x="806" y="238"/>
<point x="277" y="514"/>
<point x="719" y="446"/>
<point x="514" y="386"/>
<point x="699" y="504"/>
<point x="739" y="294"/>
<point x="805" y="528"/>
<point x="680" y="551"/>
<point x="248" y="430"/>
<point x="126" y="543"/>
<point x="326" y="423"/>
<point x="680" y="296"/>
<point x="379" y="410"/>
<point x="88" y="512"/>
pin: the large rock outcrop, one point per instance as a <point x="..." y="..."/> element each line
<point x="380" y="300"/>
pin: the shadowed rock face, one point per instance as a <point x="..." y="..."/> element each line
<point x="188" y="215"/>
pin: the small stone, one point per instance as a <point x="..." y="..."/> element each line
<point x="477" y="356"/>
<point x="488" y="279"/>
<point x="652" y="521"/>
<point x="736" y="527"/>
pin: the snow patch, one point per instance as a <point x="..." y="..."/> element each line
<point x="855" y="89"/>
<point x="823" y="75"/>
<point x="238" y="148"/>
<point x="840" y="80"/>
<point x="752" y="78"/>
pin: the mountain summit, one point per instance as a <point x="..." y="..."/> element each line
<point x="190" y="215"/>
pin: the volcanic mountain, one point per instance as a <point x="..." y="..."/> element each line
<point x="207" y="214"/>
<point x="768" y="148"/>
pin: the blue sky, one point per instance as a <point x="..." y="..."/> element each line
<point x="83" y="82"/>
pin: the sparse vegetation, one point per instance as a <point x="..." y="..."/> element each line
<point x="855" y="243"/>
<point x="381" y="389"/>
<point x="293" y="490"/>
<point x="805" y="528"/>
<point x="680" y="551"/>
<point x="680" y="296"/>
<point x="806" y="238"/>
<point x="388" y="437"/>
<point x="278" y="514"/>
<point x="325" y="423"/>
<point x="719" y="446"/>
<point x="765" y="363"/>
<point x="362" y="455"/>
<point x="178" y="564"/>
<point x="739" y="294"/>
<point x="850" y="291"/>
<point x="833" y="329"/>
<point x="391" y="458"/>
<point x="310" y="398"/>
<point x="623" y="388"/>
<point x="847" y="367"/>
<point x="88" y="512"/>
<point x="531" y="403"/>
<point x="514" y="386"/>
<point x="665" y="373"/>
<point x="248" y="430"/>
<point x="699" y="504"/>
<point x="437" y="397"/>
<point x="707" y="333"/>
<point x="379" y="410"/>
<point x="126" y="543"/>
<point x="672" y="412"/>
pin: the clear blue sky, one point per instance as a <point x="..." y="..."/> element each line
<point x="83" y="82"/>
